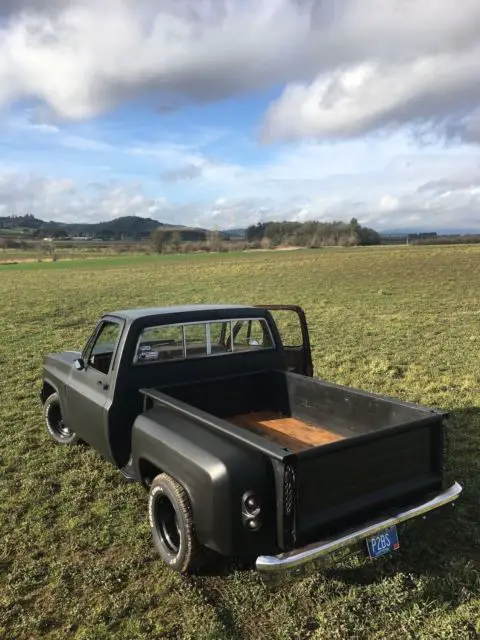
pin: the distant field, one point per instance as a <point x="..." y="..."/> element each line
<point x="76" y="559"/>
<point x="81" y="252"/>
<point x="13" y="231"/>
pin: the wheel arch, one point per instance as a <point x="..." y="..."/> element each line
<point x="148" y="471"/>
<point x="47" y="389"/>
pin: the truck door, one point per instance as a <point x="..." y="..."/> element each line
<point x="292" y="326"/>
<point x="90" y="389"/>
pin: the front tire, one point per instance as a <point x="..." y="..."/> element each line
<point x="56" y="427"/>
<point x="171" y="521"/>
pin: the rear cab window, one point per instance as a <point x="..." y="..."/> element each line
<point x="164" y="343"/>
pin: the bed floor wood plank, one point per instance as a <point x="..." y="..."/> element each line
<point x="293" y="433"/>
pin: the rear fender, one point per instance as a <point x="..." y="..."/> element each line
<point x="214" y="470"/>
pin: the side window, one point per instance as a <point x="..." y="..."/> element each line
<point x="219" y="336"/>
<point x="101" y="353"/>
<point x="177" y="342"/>
<point x="196" y="340"/>
<point x="160" y="343"/>
<point x="251" y="334"/>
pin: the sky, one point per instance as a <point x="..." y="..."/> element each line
<point x="225" y="113"/>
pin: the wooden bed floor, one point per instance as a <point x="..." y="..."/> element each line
<point x="288" y="432"/>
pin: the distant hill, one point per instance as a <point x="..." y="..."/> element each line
<point x="135" y="228"/>
<point x="123" y="228"/>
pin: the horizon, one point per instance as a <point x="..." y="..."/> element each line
<point x="386" y="232"/>
<point x="262" y="111"/>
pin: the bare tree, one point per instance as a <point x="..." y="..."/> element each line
<point x="158" y="238"/>
<point x="214" y="240"/>
<point x="176" y="241"/>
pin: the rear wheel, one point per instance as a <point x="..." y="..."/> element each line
<point x="56" y="426"/>
<point x="171" y="521"/>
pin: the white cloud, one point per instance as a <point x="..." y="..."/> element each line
<point x="392" y="195"/>
<point x="386" y="182"/>
<point x="372" y="95"/>
<point x="351" y="66"/>
<point x="188" y="172"/>
<point x="70" y="60"/>
<point x="65" y="201"/>
<point x="388" y="203"/>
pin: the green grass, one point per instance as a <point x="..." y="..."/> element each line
<point x="92" y="260"/>
<point x="95" y="259"/>
<point x="76" y="559"/>
<point x="29" y="258"/>
<point x="15" y="231"/>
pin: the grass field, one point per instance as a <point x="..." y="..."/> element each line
<point x="76" y="559"/>
<point x="44" y="253"/>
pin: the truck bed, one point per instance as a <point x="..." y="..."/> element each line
<point x="293" y="433"/>
<point x="296" y="412"/>
<point x="349" y="453"/>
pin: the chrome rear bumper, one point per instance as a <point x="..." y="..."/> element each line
<point x="299" y="562"/>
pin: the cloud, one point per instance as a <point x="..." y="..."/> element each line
<point x="349" y="67"/>
<point x="378" y="199"/>
<point x="28" y="122"/>
<point x="372" y="95"/>
<point x="397" y="63"/>
<point x="449" y="185"/>
<point x="466" y="129"/>
<point x="9" y="7"/>
<point x="21" y="194"/>
<point x="63" y="200"/>
<point x="68" y="59"/>
<point x="188" y="172"/>
<point x="434" y="211"/>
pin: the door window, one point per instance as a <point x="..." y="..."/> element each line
<point x="292" y="327"/>
<point x="289" y="327"/>
<point x="103" y="348"/>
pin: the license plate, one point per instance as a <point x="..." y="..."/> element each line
<point x="383" y="542"/>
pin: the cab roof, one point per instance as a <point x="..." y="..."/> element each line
<point x="135" y="314"/>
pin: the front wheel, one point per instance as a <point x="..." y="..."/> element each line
<point x="56" y="427"/>
<point x="171" y="521"/>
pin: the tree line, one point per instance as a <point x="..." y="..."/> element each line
<point x="312" y="234"/>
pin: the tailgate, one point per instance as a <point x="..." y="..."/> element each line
<point x="347" y="482"/>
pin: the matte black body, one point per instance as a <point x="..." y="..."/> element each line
<point x="173" y="417"/>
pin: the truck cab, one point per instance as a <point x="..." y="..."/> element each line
<point x="98" y="388"/>
<point x="216" y="411"/>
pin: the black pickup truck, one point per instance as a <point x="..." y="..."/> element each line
<point x="242" y="450"/>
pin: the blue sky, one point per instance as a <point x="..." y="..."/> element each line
<point x="266" y="110"/>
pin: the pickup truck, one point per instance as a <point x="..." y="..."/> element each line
<point x="216" y="411"/>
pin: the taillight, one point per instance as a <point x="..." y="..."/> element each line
<point x="251" y="511"/>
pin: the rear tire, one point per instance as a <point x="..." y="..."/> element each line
<point x="56" y="427"/>
<point x="171" y="521"/>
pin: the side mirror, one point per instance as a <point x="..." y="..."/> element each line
<point x="79" y="364"/>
